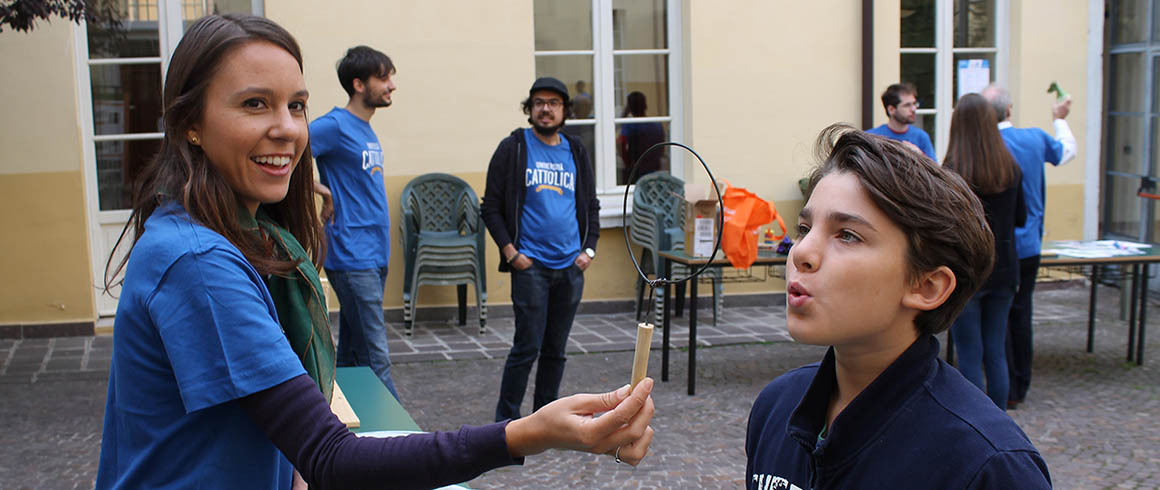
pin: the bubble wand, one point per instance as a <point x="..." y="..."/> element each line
<point x="644" y="330"/>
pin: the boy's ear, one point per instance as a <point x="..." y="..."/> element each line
<point x="931" y="289"/>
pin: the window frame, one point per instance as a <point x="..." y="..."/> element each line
<point x="603" y="91"/>
<point x="170" y="18"/>
<point x="944" y="63"/>
<point x="1149" y="119"/>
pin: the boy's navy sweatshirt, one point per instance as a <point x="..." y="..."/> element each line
<point x="919" y="424"/>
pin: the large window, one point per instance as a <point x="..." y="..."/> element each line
<point x="620" y="61"/>
<point x="120" y="69"/>
<point x="1132" y="119"/>
<point x="126" y="63"/>
<point x="939" y="40"/>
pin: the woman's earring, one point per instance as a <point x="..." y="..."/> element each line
<point x="193" y="138"/>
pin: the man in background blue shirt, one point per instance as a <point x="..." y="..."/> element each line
<point x="541" y="209"/>
<point x="901" y="105"/>
<point x="355" y="211"/>
<point x="1031" y="147"/>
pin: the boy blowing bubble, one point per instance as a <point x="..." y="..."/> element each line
<point x="890" y="248"/>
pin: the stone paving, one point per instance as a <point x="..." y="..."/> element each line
<point x="1093" y="416"/>
<point x="445" y="340"/>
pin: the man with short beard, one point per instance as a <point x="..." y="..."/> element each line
<point x="901" y="105"/>
<point x="354" y="209"/>
<point x="541" y="209"/>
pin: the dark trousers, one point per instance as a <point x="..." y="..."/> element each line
<point x="1019" y="331"/>
<point x="544" y="301"/>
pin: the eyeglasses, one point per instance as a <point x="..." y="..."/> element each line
<point x="553" y="103"/>
<point x="914" y="104"/>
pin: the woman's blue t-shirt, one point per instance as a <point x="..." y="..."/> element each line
<point x="196" y="330"/>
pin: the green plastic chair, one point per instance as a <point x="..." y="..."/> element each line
<point x="443" y="243"/>
<point x="658" y="223"/>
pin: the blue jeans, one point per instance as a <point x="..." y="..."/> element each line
<point x="362" y="333"/>
<point x="545" y="302"/>
<point x="980" y="334"/>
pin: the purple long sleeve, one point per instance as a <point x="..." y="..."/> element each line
<point x="296" y="417"/>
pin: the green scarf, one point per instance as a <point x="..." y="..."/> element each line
<point x="299" y="300"/>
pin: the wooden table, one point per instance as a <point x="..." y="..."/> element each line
<point x="1140" y="265"/>
<point x="376" y="408"/>
<point x="678" y="256"/>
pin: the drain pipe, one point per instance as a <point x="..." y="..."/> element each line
<point x="867" y="64"/>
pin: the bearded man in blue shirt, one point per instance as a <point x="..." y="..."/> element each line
<point x="541" y="209"/>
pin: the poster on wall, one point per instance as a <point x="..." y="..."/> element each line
<point x="973" y="76"/>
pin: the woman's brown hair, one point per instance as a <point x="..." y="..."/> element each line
<point x="181" y="172"/>
<point x="975" y="149"/>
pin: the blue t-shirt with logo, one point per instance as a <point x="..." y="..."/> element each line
<point x="549" y="232"/>
<point x="913" y="135"/>
<point x="196" y="330"/>
<point x="350" y="163"/>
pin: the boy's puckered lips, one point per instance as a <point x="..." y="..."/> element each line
<point x="796" y="294"/>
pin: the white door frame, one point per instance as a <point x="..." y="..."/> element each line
<point x="170" y="31"/>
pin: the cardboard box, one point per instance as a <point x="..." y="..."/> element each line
<point x="701" y="219"/>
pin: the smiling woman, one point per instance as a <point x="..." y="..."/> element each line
<point x="253" y="127"/>
<point x="221" y="322"/>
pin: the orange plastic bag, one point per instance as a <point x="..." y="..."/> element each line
<point x="744" y="214"/>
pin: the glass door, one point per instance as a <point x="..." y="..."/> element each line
<point x="121" y="68"/>
<point x="1131" y="120"/>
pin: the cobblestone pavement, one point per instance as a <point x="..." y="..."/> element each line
<point x="1093" y="416"/>
<point x="438" y="341"/>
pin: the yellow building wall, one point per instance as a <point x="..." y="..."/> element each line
<point x="752" y="109"/>
<point x="462" y="70"/>
<point x="764" y="79"/>
<point x="1042" y="51"/>
<point x="45" y="239"/>
<point x="761" y="79"/>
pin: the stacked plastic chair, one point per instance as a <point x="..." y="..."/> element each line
<point x="657" y="223"/>
<point x="443" y="243"/>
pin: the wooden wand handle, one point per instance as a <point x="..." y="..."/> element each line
<point x="644" y="333"/>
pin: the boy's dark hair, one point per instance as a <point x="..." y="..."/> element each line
<point x="362" y="62"/>
<point x="893" y="95"/>
<point x="942" y="219"/>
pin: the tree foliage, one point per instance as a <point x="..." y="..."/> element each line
<point x="22" y="15"/>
